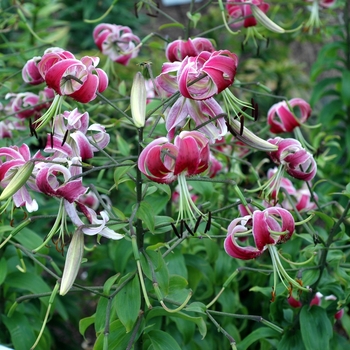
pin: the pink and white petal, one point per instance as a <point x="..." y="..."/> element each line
<point x="72" y="213"/>
<point x="82" y="147"/>
<point x="233" y="249"/>
<point x="188" y="157"/>
<point x="87" y="92"/>
<point x="261" y="230"/>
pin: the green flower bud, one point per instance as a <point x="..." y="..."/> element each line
<point x="138" y="100"/>
<point x="19" y="179"/>
<point x="73" y="261"/>
<point x="250" y="139"/>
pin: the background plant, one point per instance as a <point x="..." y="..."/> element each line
<point x="155" y="289"/>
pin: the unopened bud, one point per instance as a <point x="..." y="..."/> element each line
<point x="19" y="179"/>
<point x="138" y="100"/>
<point x="250" y="139"/>
<point x="264" y="20"/>
<point x="73" y="261"/>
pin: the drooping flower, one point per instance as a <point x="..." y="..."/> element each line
<point x="200" y="77"/>
<point x="281" y="116"/>
<point x="270" y="227"/>
<point x="18" y="159"/>
<point x="54" y="180"/>
<point x="164" y="162"/>
<point x="79" y="79"/>
<point x="298" y="163"/>
<point x="178" y="50"/>
<point x="117" y="42"/>
<point x="24" y="104"/>
<point x="71" y="136"/>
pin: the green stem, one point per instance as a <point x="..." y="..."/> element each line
<point x="324" y="253"/>
<point x="220" y="329"/>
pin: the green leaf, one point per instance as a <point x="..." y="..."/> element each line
<point x="161" y="340"/>
<point x="170" y="25"/>
<point x="28" y="281"/>
<point x="119" y="173"/>
<point x="109" y="283"/>
<point x="160" y="269"/>
<point x="100" y="315"/>
<point x="128" y="303"/>
<point x="345" y="88"/>
<point x="20" y="329"/>
<point x="329" y="222"/>
<point x="3" y="270"/>
<point x="117" y="337"/>
<point x="30" y="239"/>
<point x="84" y="323"/>
<point x="291" y="340"/>
<point x="146" y="214"/>
<point x="316" y="328"/>
<point x="123" y="146"/>
<point x="319" y="89"/>
<point x="330" y="110"/>
<point x="260" y="333"/>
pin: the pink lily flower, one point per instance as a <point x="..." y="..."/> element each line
<point x="242" y="14"/>
<point x="270" y="227"/>
<point x="200" y="112"/>
<point x="266" y="231"/>
<point x="217" y="70"/>
<point x="294" y="158"/>
<point x="281" y="118"/>
<point x="30" y="72"/>
<point x="164" y="162"/>
<point x="70" y="136"/>
<point x="117" y="42"/>
<point x="48" y="180"/>
<point x="57" y="67"/>
<point x="24" y="105"/>
<point x="15" y="158"/>
<point x="179" y="49"/>
<point x="95" y="226"/>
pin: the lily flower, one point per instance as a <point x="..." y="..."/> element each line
<point x="15" y="173"/>
<point x="298" y="163"/>
<point x="117" y="42"/>
<point x="164" y="162"/>
<point x="30" y="72"/>
<point x="270" y="227"/>
<point x="24" y="104"/>
<point x="95" y="226"/>
<point x="48" y="180"/>
<point x="282" y="118"/>
<point x="178" y="50"/>
<point x="200" y="77"/>
<point x="71" y="137"/>
<point x="59" y="70"/>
